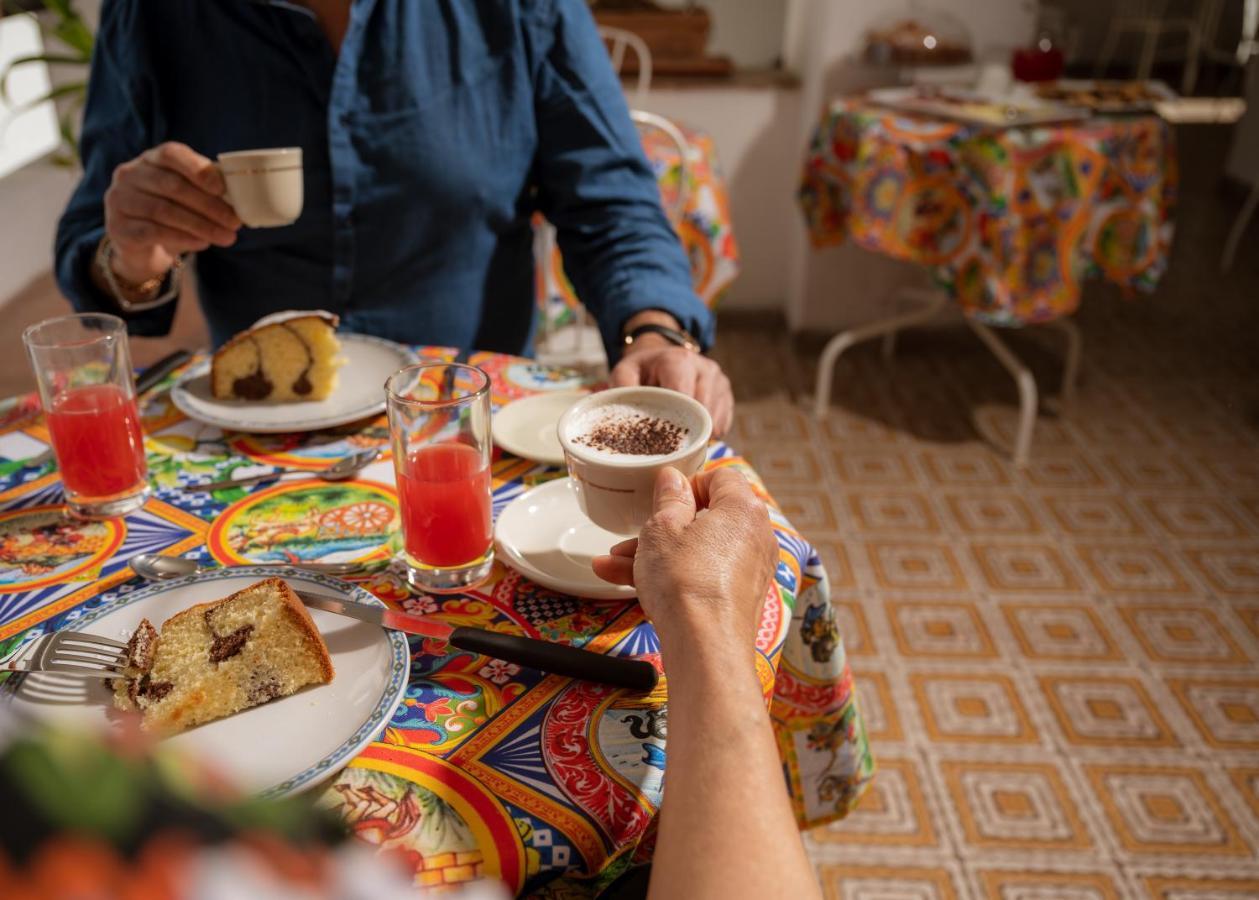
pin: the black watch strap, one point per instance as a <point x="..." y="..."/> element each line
<point x="672" y="335"/>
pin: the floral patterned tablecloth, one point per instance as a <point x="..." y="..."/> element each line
<point x="486" y="768"/>
<point x="1009" y="220"/>
<point x="704" y="227"/>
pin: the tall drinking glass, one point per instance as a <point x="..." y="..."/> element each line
<point x="83" y="366"/>
<point x="439" y="425"/>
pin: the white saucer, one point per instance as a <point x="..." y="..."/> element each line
<point x="545" y="536"/>
<point x="526" y="427"/>
<point x="360" y="393"/>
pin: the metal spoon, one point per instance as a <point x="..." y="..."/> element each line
<point x="154" y="567"/>
<point x="340" y="470"/>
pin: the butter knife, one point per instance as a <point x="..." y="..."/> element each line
<point x="558" y="659"/>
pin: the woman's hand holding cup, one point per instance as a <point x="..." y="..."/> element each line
<point x="702" y="563"/>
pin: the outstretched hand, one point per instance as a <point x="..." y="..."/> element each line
<point x="703" y="561"/>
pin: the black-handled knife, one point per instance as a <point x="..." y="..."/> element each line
<point x="545" y="656"/>
<point x="153" y="375"/>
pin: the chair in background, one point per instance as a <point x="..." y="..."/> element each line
<point x="1148" y="19"/>
<point x="618" y="40"/>
<point x="1243" y="162"/>
<point x="567" y="334"/>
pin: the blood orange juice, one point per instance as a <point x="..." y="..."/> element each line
<point x="445" y="494"/>
<point x="96" y="436"/>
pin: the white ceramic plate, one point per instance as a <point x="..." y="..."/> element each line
<point x="279" y="747"/>
<point x="527" y="426"/>
<point x="360" y="393"/>
<point x="545" y="536"/>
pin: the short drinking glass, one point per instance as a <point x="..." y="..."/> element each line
<point x="439" y="425"/>
<point x="83" y="366"/>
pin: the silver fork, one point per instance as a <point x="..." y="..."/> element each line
<point x="72" y="653"/>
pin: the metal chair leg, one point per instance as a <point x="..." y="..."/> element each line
<point x="889" y="345"/>
<point x="1107" y="51"/>
<point x="1149" y="45"/>
<point x="1026" y="384"/>
<point x="1071" y="362"/>
<point x="933" y="301"/>
<point x="1239" y="229"/>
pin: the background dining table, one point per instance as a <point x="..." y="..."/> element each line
<point x="1009" y="221"/>
<point x="486" y="769"/>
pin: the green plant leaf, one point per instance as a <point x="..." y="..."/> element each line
<point x="61" y="90"/>
<point x="49" y="58"/>
<point x="75" y="33"/>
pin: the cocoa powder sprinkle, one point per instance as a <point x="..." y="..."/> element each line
<point x="639" y="435"/>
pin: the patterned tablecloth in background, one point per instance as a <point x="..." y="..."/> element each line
<point x="1010" y="220"/>
<point x="704" y="228"/>
<point x="486" y="768"/>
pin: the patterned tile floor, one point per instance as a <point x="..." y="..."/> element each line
<point x="1059" y="666"/>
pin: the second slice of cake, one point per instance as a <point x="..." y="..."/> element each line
<point x="215" y="659"/>
<point x="285" y="356"/>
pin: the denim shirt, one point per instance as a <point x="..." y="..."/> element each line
<point x="428" y="142"/>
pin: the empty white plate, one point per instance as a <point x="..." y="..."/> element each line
<point x="360" y="393"/>
<point x="526" y="427"/>
<point x="278" y="747"/>
<point x="546" y="537"/>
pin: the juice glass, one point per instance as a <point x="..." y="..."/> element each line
<point x="83" y="366"/>
<point x="439" y="425"/>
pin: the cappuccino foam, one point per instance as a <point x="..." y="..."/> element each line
<point x="631" y="430"/>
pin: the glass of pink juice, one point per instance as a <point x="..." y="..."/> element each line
<point x="439" y="426"/>
<point x="83" y="366"/>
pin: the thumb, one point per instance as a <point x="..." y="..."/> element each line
<point x="674" y="502"/>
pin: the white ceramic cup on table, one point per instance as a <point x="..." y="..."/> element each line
<point x="264" y="187"/>
<point x="616" y="490"/>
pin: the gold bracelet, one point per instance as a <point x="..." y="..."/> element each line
<point x="134" y="297"/>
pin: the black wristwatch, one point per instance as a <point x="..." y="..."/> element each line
<point x="672" y="335"/>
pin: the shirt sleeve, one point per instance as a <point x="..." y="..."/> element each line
<point x="596" y="188"/>
<point x="117" y="126"/>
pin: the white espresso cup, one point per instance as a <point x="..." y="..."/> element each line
<point x="264" y="186"/>
<point x="616" y="491"/>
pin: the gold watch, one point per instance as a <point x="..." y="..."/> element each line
<point x="134" y="298"/>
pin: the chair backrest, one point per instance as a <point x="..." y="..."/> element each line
<point x="646" y="120"/>
<point x="618" y="40"/>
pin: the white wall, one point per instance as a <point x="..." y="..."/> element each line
<point x="755" y="133"/>
<point x="31" y="201"/>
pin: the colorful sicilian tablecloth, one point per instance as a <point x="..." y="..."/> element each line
<point x="704" y="226"/>
<point x="485" y="768"/>
<point x="1008" y="220"/>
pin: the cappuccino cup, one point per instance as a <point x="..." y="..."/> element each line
<point x="616" y="442"/>
<point x="264" y="187"/>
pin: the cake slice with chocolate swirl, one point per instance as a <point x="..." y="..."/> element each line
<point x="285" y="356"/>
<point x="218" y="658"/>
